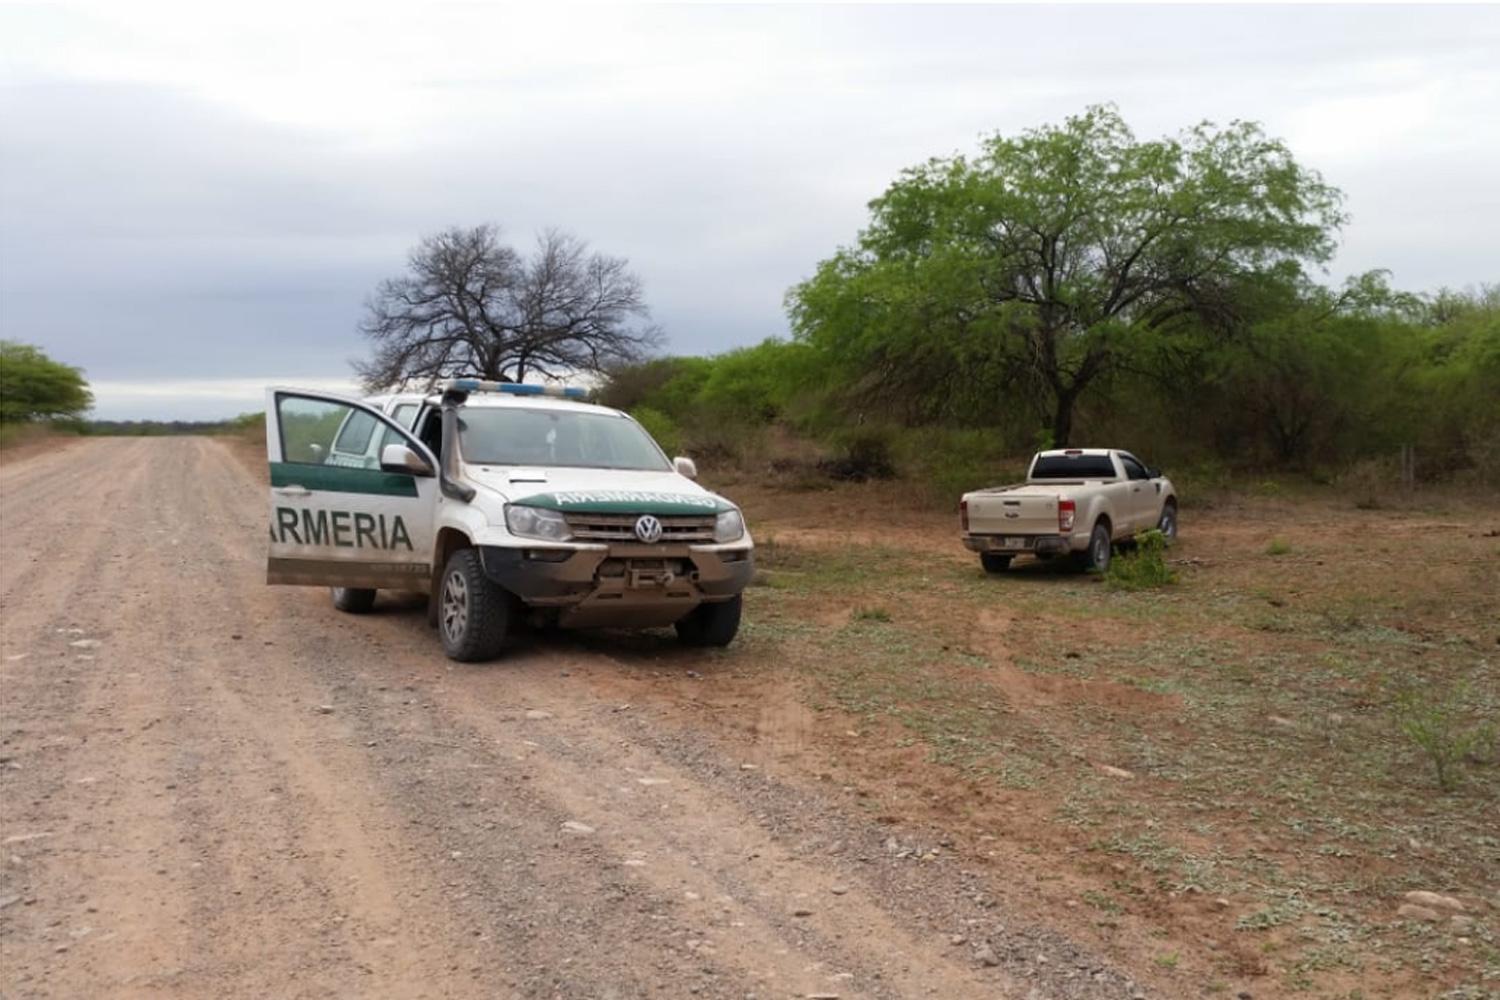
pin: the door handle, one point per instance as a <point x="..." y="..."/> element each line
<point x="292" y="491"/>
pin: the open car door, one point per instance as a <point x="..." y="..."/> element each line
<point x="353" y="495"/>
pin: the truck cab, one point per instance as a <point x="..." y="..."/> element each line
<point x="1075" y="502"/>
<point x="503" y="503"/>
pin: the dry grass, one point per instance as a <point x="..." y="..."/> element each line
<point x="1219" y="764"/>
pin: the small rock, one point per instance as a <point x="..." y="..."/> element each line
<point x="325" y="709"/>
<point x="749" y="767"/>
<point x="839" y="890"/>
<point x="653" y="781"/>
<point x="1462" y="923"/>
<point x="538" y="714"/>
<point x="1115" y="772"/>
<point x="985" y="955"/>
<point x="1277" y="720"/>
<point x="1221" y="903"/>
<point x="1433" y="900"/>
<point x="85" y="644"/>
<point x="573" y="826"/>
<point x="802" y="912"/>
<point x="957" y="940"/>
<point x="1409" y="911"/>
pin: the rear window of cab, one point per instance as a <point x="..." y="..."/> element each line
<point x="1073" y="467"/>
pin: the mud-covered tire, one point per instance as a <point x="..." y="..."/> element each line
<point x="711" y="624"/>
<point x="1167" y="523"/>
<point x="994" y="562"/>
<point x="1096" y="557"/>
<point x="353" y="600"/>
<point x="474" y="612"/>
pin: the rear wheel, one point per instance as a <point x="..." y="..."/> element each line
<point x="711" y="624"/>
<point x="474" y="613"/>
<point x="994" y="562"/>
<point x="353" y="600"/>
<point x="1096" y="556"/>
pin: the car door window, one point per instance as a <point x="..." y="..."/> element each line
<point x="1133" y="469"/>
<point x="309" y="428"/>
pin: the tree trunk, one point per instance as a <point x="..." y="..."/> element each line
<point x="1062" y="419"/>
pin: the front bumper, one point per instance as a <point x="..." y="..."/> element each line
<point x="1020" y="545"/>
<point x="625" y="584"/>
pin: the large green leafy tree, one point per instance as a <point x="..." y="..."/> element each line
<point x="1053" y="258"/>
<point x="34" y="387"/>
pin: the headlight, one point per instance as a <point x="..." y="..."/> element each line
<point x="534" y="522"/>
<point x="729" y="527"/>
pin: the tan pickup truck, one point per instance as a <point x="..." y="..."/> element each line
<point x="1076" y="502"/>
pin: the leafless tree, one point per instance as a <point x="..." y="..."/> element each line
<point x="469" y="305"/>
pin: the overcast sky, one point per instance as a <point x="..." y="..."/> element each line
<point x="195" y="202"/>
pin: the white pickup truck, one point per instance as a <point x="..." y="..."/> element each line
<point x="1078" y="502"/>
<point x="501" y="502"/>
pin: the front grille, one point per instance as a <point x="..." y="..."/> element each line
<point x="621" y="528"/>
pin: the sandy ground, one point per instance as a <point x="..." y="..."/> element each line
<point x="214" y="788"/>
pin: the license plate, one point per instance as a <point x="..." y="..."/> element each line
<point x="1013" y="542"/>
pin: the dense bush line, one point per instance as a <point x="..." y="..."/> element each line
<point x="1320" y="383"/>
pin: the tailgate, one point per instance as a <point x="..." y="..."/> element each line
<point x="1012" y="514"/>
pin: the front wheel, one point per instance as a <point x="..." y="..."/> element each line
<point x="353" y="600"/>
<point x="994" y="562"/>
<point x="1097" y="555"/>
<point x="474" y="612"/>
<point x="1167" y="523"/>
<point x="710" y="624"/>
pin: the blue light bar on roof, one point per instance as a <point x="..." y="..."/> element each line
<point x="517" y="388"/>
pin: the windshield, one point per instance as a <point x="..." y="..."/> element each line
<point x="513" y="436"/>
<point x="1073" y="467"/>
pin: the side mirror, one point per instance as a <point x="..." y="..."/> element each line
<point x="685" y="467"/>
<point x="400" y="458"/>
<point x="1153" y="473"/>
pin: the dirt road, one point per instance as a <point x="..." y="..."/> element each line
<point x="216" y="788"/>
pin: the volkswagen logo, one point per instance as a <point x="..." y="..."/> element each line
<point x="648" y="529"/>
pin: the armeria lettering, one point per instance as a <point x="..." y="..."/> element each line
<point x="341" y="528"/>
<point x="315" y="526"/>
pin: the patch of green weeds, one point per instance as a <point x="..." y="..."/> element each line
<point x="872" y="615"/>
<point x="1278" y="547"/>
<point x="1145" y="568"/>
<point x="1434" y="720"/>
<point x="1286" y="908"/>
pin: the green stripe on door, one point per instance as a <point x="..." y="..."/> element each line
<point x="342" y="479"/>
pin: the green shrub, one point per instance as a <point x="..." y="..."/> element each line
<point x="1278" y="547"/>
<point x="872" y="615"/>
<point x="861" y="454"/>
<point x="1143" y="568"/>
<point x="1433" y="720"/>
<point x="661" y="427"/>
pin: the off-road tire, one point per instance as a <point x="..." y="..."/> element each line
<point x="474" y="612"/>
<point x="353" y="600"/>
<point x="1167" y="523"/>
<point x="1097" y="555"/>
<point x="994" y="562"/>
<point x="710" y="624"/>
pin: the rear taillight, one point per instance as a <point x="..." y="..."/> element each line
<point x="1066" y="511"/>
<point x="963" y="515"/>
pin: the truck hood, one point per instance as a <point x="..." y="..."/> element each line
<point x="598" y="491"/>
